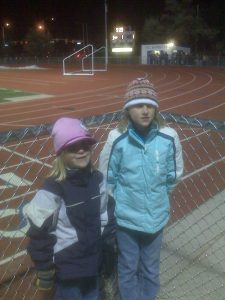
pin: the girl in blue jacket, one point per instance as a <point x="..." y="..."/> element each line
<point x="69" y="217"/>
<point x="145" y="164"/>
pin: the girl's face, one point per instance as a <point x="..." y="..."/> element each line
<point x="78" y="155"/>
<point x="141" y="115"/>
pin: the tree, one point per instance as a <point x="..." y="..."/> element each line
<point x="154" y="31"/>
<point x="38" y="43"/>
<point x="181" y="22"/>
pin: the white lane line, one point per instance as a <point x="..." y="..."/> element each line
<point x="68" y="105"/>
<point x="190" y="91"/>
<point x="178" y="86"/>
<point x="209" y="109"/>
<point x="70" y="96"/>
<point x="28" y="98"/>
<point x="12" y="257"/>
<point x="60" y="113"/>
<point x="203" y="168"/>
<point x="17" y="197"/>
<point x="106" y="105"/>
<point x="12" y="167"/>
<point x="12" y="180"/>
<point x="195" y="100"/>
<point x="26" y="157"/>
<point x="193" y="136"/>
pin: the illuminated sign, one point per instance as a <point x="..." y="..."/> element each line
<point x="120" y="50"/>
<point x="122" y="39"/>
<point x="119" y="29"/>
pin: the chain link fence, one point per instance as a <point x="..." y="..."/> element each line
<point x="188" y="60"/>
<point x="193" y="253"/>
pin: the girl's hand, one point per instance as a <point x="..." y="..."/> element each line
<point x="45" y="280"/>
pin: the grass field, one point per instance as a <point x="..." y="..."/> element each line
<point x="7" y="95"/>
<point x="12" y="95"/>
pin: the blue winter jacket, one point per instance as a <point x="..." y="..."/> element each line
<point x="141" y="175"/>
<point x="69" y="220"/>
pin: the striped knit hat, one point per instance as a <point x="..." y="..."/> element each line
<point x="140" y="91"/>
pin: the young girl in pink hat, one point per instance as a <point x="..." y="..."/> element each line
<point x="69" y="217"/>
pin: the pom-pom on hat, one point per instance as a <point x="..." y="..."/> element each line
<point x="140" y="91"/>
<point x="67" y="131"/>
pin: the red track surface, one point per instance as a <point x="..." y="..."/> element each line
<point x="185" y="90"/>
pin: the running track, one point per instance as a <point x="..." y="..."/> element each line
<point x="191" y="91"/>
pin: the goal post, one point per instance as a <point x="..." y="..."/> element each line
<point x="99" y="59"/>
<point x="85" y="61"/>
<point x="80" y="62"/>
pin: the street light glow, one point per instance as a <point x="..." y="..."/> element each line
<point x="3" y="33"/>
<point x="40" y="27"/>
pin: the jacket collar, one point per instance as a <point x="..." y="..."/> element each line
<point x="80" y="177"/>
<point x="133" y="133"/>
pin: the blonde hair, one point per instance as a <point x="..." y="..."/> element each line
<point x="123" y="123"/>
<point x="58" y="168"/>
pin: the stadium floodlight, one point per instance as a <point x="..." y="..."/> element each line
<point x="122" y="49"/>
<point x="170" y="44"/>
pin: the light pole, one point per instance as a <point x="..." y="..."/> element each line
<point x="84" y="33"/>
<point x="106" y="38"/>
<point x="3" y="32"/>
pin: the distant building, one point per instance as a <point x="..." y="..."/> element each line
<point x="162" y="52"/>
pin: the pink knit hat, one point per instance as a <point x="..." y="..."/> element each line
<point x="67" y="131"/>
<point x="140" y="91"/>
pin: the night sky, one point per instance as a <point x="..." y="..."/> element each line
<point x="72" y="16"/>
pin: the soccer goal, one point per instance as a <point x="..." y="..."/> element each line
<point x="80" y="62"/>
<point x="99" y="60"/>
<point x="85" y="61"/>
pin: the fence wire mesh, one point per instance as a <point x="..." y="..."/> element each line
<point x="193" y="252"/>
